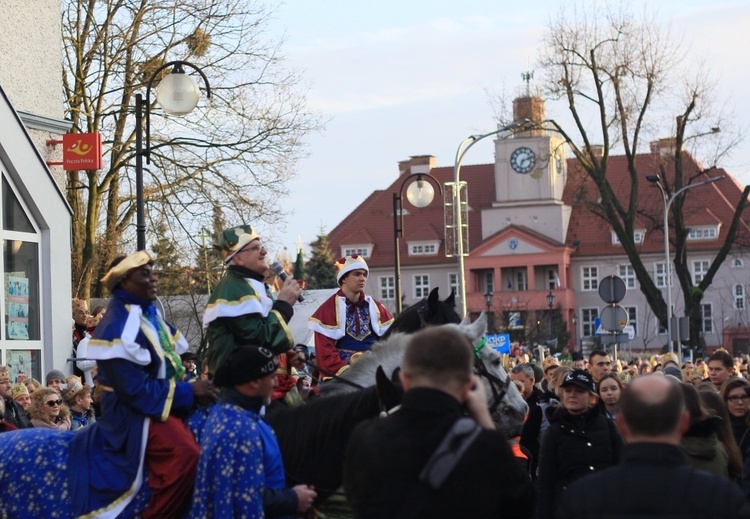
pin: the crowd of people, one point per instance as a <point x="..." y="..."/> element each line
<point x="592" y="423"/>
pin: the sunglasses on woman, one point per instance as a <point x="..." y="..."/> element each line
<point x="53" y="403"/>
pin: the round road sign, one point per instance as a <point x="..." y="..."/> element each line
<point x="612" y="289"/>
<point x="614" y="318"/>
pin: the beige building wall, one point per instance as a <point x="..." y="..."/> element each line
<point x="31" y="71"/>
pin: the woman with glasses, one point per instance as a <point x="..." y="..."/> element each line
<point x="738" y="404"/>
<point x="48" y="410"/>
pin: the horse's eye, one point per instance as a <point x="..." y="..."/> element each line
<point x="496" y="362"/>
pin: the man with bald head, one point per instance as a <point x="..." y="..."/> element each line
<point x="652" y="420"/>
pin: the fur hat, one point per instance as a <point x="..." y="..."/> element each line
<point x="54" y="374"/>
<point x="231" y="240"/>
<point x="80" y="304"/>
<point x="347" y="264"/>
<point x="19" y="389"/>
<point x="246" y="363"/>
<point x="580" y="378"/>
<point x="4" y="373"/>
<point x="118" y="272"/>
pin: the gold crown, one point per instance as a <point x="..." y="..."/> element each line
<point x="18" y="390"/>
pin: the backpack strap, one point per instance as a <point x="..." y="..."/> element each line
<point x="440" y="465"/>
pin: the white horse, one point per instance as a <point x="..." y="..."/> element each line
<point x="506" y="403"/>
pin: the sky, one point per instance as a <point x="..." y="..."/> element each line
<point x="393" y="79"/>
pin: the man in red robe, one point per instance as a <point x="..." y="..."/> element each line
<point x="349" y="322"/>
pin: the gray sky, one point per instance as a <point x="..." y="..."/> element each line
<point x="396" y="79"/>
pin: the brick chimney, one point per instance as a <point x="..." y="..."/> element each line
<point x="664" y="147"/>
<point x="532" y="108"/>
<point x="417" y="164"/>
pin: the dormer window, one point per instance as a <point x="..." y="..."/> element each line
<point x="638" y="236"/>
<point x="423" y="248"/>
<point x="362" y="250"/>
<point x="704" y="232"/>
<point x="737" y="263"/>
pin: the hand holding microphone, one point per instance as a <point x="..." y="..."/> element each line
<point x="292" y="285"/>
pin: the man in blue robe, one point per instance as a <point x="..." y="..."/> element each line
<point x="240" y="472"/>
<point x="140" y="375"/>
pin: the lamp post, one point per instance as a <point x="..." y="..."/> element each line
<point x="667" y="200"/>
<point x="177" y="94"/>
<point x="464" y="147"/>
<point x="420" y="194"/>
<point x="488" y="301"/>
<point x="550" y="304"/>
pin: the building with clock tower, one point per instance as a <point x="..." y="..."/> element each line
<point x="537" y="249"/>
<point x="523" y="256"/>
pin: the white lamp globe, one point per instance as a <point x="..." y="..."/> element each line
<point x="420" y="193"/>
<point x="177" y="94"/>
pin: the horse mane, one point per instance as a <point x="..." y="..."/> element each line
<point x="315" y="435"/>
<point x="387" y="353"/>
<point x="430" y="310"/>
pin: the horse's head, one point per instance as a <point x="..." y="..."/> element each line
<point x="507" y="406"/>
<point x="428" y="311"/>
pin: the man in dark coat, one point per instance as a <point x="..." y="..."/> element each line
<point x="531" y="434"/>
<point x="653" y="479"/>
<point x="385" y="456"/>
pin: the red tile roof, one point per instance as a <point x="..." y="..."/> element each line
<point x="372" y="221"/>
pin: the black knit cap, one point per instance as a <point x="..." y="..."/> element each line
<point x="246" y="363"/>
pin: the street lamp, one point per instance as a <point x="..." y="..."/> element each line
<point x="177" y="94"/>
<point x="488" y="301"/>
<point x="550" y="304"/>
<point x="420" y="194"/>
<point x="667" y="200"/>
<point x="465" y="145"/>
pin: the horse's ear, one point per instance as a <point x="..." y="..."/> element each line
<point x="451" y="299"/>
<point x="394" y="376"/>
<point x="434" y="298"/>
<point x="390" y="394"/>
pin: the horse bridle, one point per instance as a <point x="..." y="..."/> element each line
<point x="498" y="387"/>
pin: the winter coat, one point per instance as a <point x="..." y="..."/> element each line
<point x="653" y="481"/>
<point x="703" y="449"/>
<point x="385" y="456"/>
<point x="574" y="446"/>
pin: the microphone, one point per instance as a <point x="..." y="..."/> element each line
<point x="281" y="273"/>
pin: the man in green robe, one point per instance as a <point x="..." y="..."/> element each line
<point x="241" y="309"/>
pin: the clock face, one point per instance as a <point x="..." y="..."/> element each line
<point x="522" y="160"/>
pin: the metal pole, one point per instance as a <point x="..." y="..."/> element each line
<point x="460" y="153"/>
<point x="396" y="254"/>
<point x="140" y="218"/>
<point x="668" y="202"/>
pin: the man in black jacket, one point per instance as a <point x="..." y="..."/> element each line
<point x="653" y="479"/>
<point x="531" y="433"/>
<point x="385" y="456"/>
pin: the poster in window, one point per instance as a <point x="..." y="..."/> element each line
<point x="17" y="306"/>
<point x="24" y="364"/>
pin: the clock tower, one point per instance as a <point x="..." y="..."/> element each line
<point x="530" y="176"/>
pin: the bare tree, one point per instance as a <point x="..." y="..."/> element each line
<point x="623" y="80"/>
<point x="235" y="153"/>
